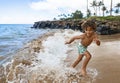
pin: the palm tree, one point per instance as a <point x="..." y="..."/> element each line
<point x="94" y="5"/>
<point x="107" y="11"/>
<point x="103" y="9"/>
<point x="116" y="11"/>
<point x="103" y="5"/>
<point x="87" y="8"/>
<point x="100" y="3"/>
<point x="118" y="6"/>
<point x="111" y="8"/>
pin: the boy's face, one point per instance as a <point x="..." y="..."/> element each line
<point x="89" y="31"/>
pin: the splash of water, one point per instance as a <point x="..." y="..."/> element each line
<point x="48" y="66"/>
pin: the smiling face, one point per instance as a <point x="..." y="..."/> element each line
<point x="89" y="31"/>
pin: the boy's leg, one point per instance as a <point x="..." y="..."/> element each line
<point x="85" y="62"/>
<point x="80" y="56"/>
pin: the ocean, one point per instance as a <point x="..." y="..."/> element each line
<point x="14" y="36"/>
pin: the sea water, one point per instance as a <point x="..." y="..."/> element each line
<point x="14" y="36"/>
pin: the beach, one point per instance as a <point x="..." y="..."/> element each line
<point x="106" y="59"/>
<point x="47" y="60"/>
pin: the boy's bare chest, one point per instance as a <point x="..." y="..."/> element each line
<point x="87" y="40"/>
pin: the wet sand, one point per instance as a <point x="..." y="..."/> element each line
<point x="105" y="59"/>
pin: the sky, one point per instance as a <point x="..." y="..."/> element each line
<point x="30" y="11"/>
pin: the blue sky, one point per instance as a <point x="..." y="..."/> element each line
<point x="29" y="11"/>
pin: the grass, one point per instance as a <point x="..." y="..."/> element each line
<point x="106" y="18"/>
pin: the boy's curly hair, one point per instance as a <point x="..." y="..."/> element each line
<point x="89" y="23"/>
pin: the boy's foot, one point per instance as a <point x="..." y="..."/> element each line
<point x="83" y="73"/>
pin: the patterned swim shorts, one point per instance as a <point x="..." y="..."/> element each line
<point x="81" y="49"/>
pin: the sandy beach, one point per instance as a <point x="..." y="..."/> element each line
<point x="47" y="60"/>
<point x="106" y="59"/>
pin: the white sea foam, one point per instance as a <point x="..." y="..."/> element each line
<point x="55" y="50"/>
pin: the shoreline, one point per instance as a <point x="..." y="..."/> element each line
<point x="103" y="65"/>
<point x="27" y="45"/>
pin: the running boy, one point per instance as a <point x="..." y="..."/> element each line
<point x="89" y="28"/>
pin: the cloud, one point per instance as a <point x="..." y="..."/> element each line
<point x="42" y="5"/>
<point x="65" y="5"/>
<point x="60" y="6"/>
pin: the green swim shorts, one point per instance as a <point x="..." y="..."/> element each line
<point x="81" y="49"/>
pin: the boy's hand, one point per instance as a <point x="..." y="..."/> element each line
<point x="98" y="42"/>
<point x="67" y="42"/>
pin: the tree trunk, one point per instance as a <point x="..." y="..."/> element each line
<point x="103" y="13"/>
<point x="99" y="12"/>
<point x="111" y="8"/>
<point x="87" y="8"/>
<point x="103" y="3"/>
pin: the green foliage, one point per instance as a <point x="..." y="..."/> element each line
<point x="74" y="16"/>
<point x="104" y="9"/>
<point x="118" y="5"/>
<point x="77" y="15"/>
<point x="109" y="18"/>
<point x="116" y="11"/>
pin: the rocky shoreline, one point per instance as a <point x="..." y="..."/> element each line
<point x="103" y="27"/>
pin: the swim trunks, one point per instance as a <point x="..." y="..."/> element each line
<point x="81" y="48"/>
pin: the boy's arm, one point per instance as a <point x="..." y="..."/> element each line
<point x="97" y="40"/>
<point x="73" y="38"/>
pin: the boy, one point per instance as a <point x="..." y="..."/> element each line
<point x="86" y="39"/>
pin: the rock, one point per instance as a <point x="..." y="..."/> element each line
<point x="103" y="27"/>
<point x="58" y="25"/>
